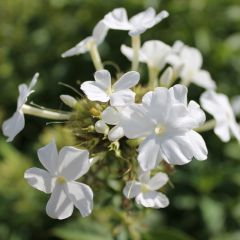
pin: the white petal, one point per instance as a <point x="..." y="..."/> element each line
<point x="132" y="189"/>
<point x="117" y="19"/>
<point x="198" y="144"/>
<point x="158" y="181"/>
<point x="149" y="152"/>
<point x="39" y="179"/>
<point x="128" y="80"/>
<point x="12" y="126"/>
<point x="73" y="163"/>
<point x="235" y="130"/>
<point x="203" y="79"/>
<point x="152" y="199"/>
<point x="103" y="79"/>
<point x="143" y="17"/>
<point x="177" y="150"/>
<point x="166" y="77"/>
<point x="59" y="205"/>
<point x="100" y="32"/>
<point x="179" y="93"/>
<point x="94" y="91"/>
<point x="48" y="156"/>
<point x="111" y="116"/>
<point x="147" y="98"/>
<point x="80" y="48"/>
<point x="135" y="122"/>
<point x="82" y="197"/>
<point x="101" y="127"/>
<point x="196" y="113"/>
<point x="222" y="131"/>
<point x="122" y="98"/>
<point x="23" y="94"/>
<point x="128" y="52"/>
<point x="115" y="133"/>
<point x="143" y="176"/>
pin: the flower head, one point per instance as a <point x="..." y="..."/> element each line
<point x="144" y="190"/>
<point x="119" y="93"/>
<point x="166" y="123"/>
<point x="98" y="35"/>
<point x="187" y="61"/>
<point x="118" y="19"/>
<point x="153" y="53"/>
<point x="59" y="179"/>
<point x="219" y="106"/>
<point x="15" y="124"/>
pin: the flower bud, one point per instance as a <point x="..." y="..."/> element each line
<point x="101" y="127"/>
<point x="68" y="100"/>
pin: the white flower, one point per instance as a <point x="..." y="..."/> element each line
<point x="153" y="53"/>
<point x="236" y="105"/>
<point x="118" y="19"/>
<point x="144" y="190"/>
<point x="119" y="93"/>
<point x="188" y="62"/>
<point x="15" y="124"/>
<point x="59" y="180"/>
<point x="166" y="123"/>
<point x="219" y="106"/>
<point x="98" y="35"/>
<point x="101" y="127"/>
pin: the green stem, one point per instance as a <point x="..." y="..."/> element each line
<point x="136" y="44"/>
<point x="209" y="125"/>
<point x="153" y="76"/>
<point x="47" y="114"/>
<point x="95" y="55"/>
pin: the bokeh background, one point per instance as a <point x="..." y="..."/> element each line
<point x="205" y="196"/>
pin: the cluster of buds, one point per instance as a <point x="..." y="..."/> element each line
<point x="150" y="127"/>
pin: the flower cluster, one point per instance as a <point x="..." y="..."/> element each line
<point x="151" y="126"/>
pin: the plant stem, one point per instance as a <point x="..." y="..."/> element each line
<point x="153" y="76"/>
<point x="47" y="114"/>
<point x="209" y="125"/>
<point x="95" y="55"/>
<point x="136" y="43"/>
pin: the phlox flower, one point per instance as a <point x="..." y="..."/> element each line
<point x="62" y="169"/>
<point x="102" y="89"/>
<point x="98" y="35"/>
<point x="15" y="124"/>
<point x="144" y="190"/>
<point x="139" y="23"/>
<point x="219" y="107"/>
<point x="166" y="123"/>
<point x="153" y="53"/>
<point x="187" y="61"/>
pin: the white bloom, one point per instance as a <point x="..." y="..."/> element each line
<point x="166" y="123"/>
<point x="98" y="35"/>
<point x="153" y="53"/>
<point x="59" y="180"/>
<point x="236" y="105"/>
<point x="68" y="100"/>
<point x="187" y="61"/>
<point x="144" y="190"/>
<point x="101" y="127"/>
<point x="119" y="93"/>
<point x="15" y="124"/>
<point x="219" y="106"/>
<point x="118" y="19"/>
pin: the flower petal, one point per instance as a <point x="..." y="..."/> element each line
<point x="12" y="126"/>
<point x="111" y="116"/>
<point x="115" y="133"/>
<point x="132" y="189"/>
<point x="222" y="130"/>
<point x="199" y="147"/>
<point x="203" y="79"/>
<point x="122" y="98"/>
<point x="101" y="127"/>
<point x="158" y="181"/>
<point x="152" y="199"/>
<point x="128" y="80"/>
<point x="103" y="79"/>
<point x="100" y="32"/>
<point x="73" y="163"/>
<point x="128" y="52"/>
<point x="196" y="113"/>
<point x="39" y="179"/>
<point x="149" y="152"/>
<point x="48" y="157"/>
<point x="59" y="205"/>
<point x="82" y="197"/>
<point x="179" y="93"/>
<point x="95" y="91"/>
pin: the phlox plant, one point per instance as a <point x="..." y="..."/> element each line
<point x="146" y="129"/>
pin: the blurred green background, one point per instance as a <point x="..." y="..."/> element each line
<point x="205" y="197"/>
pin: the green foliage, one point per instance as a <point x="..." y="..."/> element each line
<point x="205" y="196"/>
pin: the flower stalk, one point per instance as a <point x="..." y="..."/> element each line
<point x="97" y="62"/>
<point x="43" y="113"/>
<point x="209" y="125"/>
<point x="136" y="44"/>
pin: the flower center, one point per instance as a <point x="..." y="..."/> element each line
<point x="160" y="129"/>
<point x="61" y="180"/>
<point x="144" y="188"/>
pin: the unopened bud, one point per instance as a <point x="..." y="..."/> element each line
<point x="101" y="127"/>
<point x="68" y="100"/>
